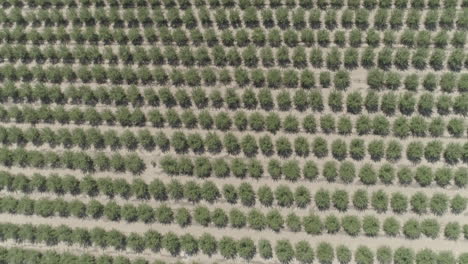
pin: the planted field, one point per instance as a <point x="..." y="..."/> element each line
<point x="233" y="131"/>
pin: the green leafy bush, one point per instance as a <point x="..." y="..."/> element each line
<point x="351" y="225"/>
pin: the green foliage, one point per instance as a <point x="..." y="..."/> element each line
<point x="310" y="171"/>
<point x="246" y="248"/>
<point x="284" y="251"/>
<point x="237" y="218"/>
<point x="227" y="247"/>
<point x="403" y="255"/>
<point x="312" y="224"/>
<point x="426" y="256"/>
<point x="458" y="204"/>
<point x="304" y="253"/>
<point x="330" y="171"/>
<point x="439" y="203"/>
<point x="360" y="199"/>
<point x="256" y="220"/>
<point x="219" y="218"/>
<point x="375" y="79"/>
<point x="399" y="202"/>
<point x="384" y="255"/>
<point x="343" y="254"/>
<point x="386" y="173"/>
<point x="340" y="200"/>
<point x="264" y="249"/>
<point x="325" y="253"/>
<point x="391" y="226"/>
<point x="319" y="147"/>
<point x="351" y="225"/>
<point x="332" y="224"/>
<point x="367" y="174"/>
<point x="171" y="243"/>
<point x="370" y="226"/>
<point x="412" y="229"/>
<point x="364" y="255"/>
<point x="430" y="228"/>
<point x="379" y="201"/>
<point x="347" y="172"/>
<point x="246" y="194"/>
<point x="376" y="149"/>
<point x="293" y="222"/>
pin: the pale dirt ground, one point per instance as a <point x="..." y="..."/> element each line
<point x="358" y="78"/>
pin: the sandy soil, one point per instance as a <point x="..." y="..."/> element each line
<point x="358" y="83"/>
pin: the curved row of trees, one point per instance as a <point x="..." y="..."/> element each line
<point x="312" y="224"/>
<point x="245" y="248"/>
<point x="447" y="82"/>
<point x="10" y="255"/>
<point x="325" y="253"/>
<point x="250" y="56"/>
<point x="192" y="76"/>
<point x="195" y="76"/>
<point x="243" y="194"/>
<point x="249" y="145"/>
<point x="378" y="124"/>
<point x="219" y="18"/>
<point x="74" y="160"/>
<point x="229" y="4"/>
<point x="332" y="171"/>
<point x="252" y="146"/>
<point x="390" y="103"/>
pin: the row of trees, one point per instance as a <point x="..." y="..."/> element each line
<point x="242" y="37"/>
<point x="78" y="137"/>
<point x="339" y="149"/>
<point x="248" y="144"/>
<point x="401" y="127"/>
<point x="75" y="160"/>
<point x="390" y="103"/>
<point x="251" y="17"/>
<point x="255" y="219"/>
<point x="380" y="125"/>
<point x="124" y="116"/>
<point x="332" y="171"/>
<point x="325" y="253"/>
<point x="382" y="202"/>
<point x="448" y="82"/>
<point x="13" y="254"/>
<point x="230" y="248"/>
<point x="250" y="56"/>
<point x="228" y="4"/>
<point x="272" y="78"/>
<point x="243" y="194"/>
<point x="251" y="146"/>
